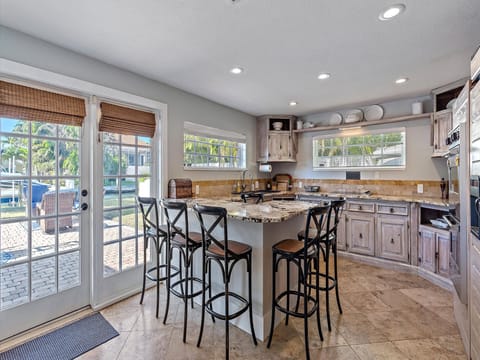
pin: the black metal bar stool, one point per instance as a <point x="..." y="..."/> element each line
<point x="300" y="253"/>
<point x="327" y="240"/>
<point x="152" y="230"/>
<point x="186" y="243"/>
<point x="226" y="253"/>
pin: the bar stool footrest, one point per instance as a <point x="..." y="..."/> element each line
<point x="298" y="294"/>
<point x="223" y="295"/>
<point x="331" y="280"/>
<point x="162" y="278"/>
<point x="186" y="282"/>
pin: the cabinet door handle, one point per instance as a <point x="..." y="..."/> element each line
<point x="360" y="236"/>
<point x="392" y="241"/>
<point x="392" y="210"/>
<point x="360" y="207"/>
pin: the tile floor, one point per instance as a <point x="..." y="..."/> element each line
<point x="387" y="315"/>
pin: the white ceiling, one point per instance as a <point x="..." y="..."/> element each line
<point x="282" y="44"/>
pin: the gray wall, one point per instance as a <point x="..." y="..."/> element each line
<point x="182" y="106"/>
<point x="420" y="166"/>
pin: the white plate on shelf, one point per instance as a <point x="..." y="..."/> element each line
<point x="335" y="119"/>
<point x="353" y="116"/>
<point x="373" y="112"/>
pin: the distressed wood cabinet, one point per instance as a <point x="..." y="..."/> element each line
<point x="442" y="124"/>
<point x="341" y="236"/>
<point x="434" y="249"/>
<point x="276" y="145"/>
<point x="392" y="236"/>
<point x="360" y="233"/>
<point x="475" y="297"/>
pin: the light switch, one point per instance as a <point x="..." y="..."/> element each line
<point x="197" y="189"/>
<point x="420" y="188"/>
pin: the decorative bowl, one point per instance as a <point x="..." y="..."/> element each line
<point x="277" y="125"/>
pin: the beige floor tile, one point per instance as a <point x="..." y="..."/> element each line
<point x="387" y="315"/>
<point x="427" y="349"/>
<point x="396" y="300"/>
<point x="109" y="350"/>
<point x="379" y="351"/>
<point x="338" y="353"/>
<point x="357" y="329"/>
<point x="396" y="325"/>
<point x="431" y="296"/>
<point x="146" y="345"/>
<point x="366" y="302"/>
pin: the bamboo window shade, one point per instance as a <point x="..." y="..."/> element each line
<point x="26" y="103"/>
<point x="126" y="121"/>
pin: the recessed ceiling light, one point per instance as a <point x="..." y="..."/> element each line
<point x="292" y="103"/>
<point x="236" y="70"/>
<point x="401" y="80"/>
<point x="323" y="76"/>
<point x="391" y="12"/>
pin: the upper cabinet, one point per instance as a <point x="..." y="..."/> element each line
<point x="442" y="124"/>
<point x="276" y="141"/>
<point x="443" y="99"/>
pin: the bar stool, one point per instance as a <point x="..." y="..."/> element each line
<point x="186" y="243"/>
<point x="300" y="253"/>
<point x="152" y="230"/>
<point x="226" y="253"/>
<point x="327" y="240"/>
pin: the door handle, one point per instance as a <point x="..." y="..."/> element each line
<point x="84" y="206"/>
<point x="84" y="192"/>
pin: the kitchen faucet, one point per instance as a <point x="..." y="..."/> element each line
<point x="243" y="185"/>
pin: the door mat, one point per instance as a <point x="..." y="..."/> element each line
<point x="65" y="343"/>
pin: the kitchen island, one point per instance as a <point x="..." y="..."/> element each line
<point x="260" y="226"/>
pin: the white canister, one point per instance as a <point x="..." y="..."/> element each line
<point x="299" y="124"/>
<point x="417" y="108"/>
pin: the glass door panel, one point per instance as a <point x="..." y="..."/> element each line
<point x="42" y="258"/>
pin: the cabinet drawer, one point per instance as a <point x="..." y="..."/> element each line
<point x="359" y="206"/>
<point x="392" y="209"/>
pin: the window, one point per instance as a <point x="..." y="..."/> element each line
<point x="209" y="148"/>
<point x="370" y="149"/>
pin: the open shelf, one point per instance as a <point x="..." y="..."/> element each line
<point x="366" y="123"/>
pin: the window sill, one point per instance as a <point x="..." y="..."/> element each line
<point x="189" y="168"/>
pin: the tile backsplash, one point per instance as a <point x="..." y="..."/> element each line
<point x="220" y="188"/>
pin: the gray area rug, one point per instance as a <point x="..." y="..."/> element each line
<point x="67" y="342"/>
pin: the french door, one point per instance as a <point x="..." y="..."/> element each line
<point x="44" y="248"/>
<point x="126" y="166"/>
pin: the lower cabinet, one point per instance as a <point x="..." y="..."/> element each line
<point x="360" y="233"/>
<point x="475" y="297"/>
<point x="341" y="238"/>
<point x="434" y="249"/>
<point x="392" y="237"/>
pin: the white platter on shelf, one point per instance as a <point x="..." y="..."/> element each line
<point x="353" y="116"/>
<point x="373" y="112"/>
<point x="335" y="119"/>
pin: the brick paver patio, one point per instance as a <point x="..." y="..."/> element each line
<point x="14" y="280"/>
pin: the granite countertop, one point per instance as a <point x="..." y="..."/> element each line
<point x="414" y="198"/>
<point x="267" y="212"/>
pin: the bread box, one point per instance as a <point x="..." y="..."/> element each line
<point x="179" y="188"/>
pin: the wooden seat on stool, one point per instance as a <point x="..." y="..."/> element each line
<point x="226" y="253"/>
<point x="302" y="254"/>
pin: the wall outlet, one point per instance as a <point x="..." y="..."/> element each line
<point x="420" y="188"/>
<point x="257" y="185"/>
<point x="197" y="189"/>
<point x="300" y="184"/>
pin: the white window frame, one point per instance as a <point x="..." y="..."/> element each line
<point x="199" y="130"/>
<point x="355" y="133"/>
